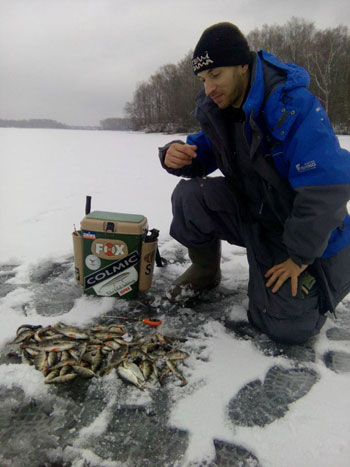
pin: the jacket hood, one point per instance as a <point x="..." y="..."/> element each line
<point x="296" y="75"/>
<point x="270" y="77"/>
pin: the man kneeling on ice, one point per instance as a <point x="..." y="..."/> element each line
<point x="283" y="195"/>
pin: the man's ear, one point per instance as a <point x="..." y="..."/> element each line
<point x="245" y="68"/>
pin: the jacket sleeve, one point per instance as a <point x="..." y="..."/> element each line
<point x="319" y="172"/>
<point x="201" y="166"/>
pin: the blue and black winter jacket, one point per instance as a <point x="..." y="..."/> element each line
<point x="284" y="120"/>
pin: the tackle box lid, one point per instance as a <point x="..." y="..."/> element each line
<point x="115" y="216"/>
<point x="102" y="221"/>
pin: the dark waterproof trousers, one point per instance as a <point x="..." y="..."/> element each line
<point x="206" y="209"/>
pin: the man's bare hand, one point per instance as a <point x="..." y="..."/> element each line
<point x="178" y="155"/>
<point x="281" y="272"/>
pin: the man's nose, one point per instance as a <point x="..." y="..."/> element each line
<point x="208" y="88"/>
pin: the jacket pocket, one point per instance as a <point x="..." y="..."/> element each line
<point x="281" y="305"/>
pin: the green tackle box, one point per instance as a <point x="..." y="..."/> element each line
<point x="112" y="255"/>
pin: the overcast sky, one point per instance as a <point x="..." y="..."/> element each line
<point x="79" y="61"/>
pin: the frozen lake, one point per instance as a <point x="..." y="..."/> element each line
<point x="248" y="402"/>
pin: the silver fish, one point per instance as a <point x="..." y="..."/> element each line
<point x="161" y="377"/>
<point x="132" y="373"/>
<point x="84" y="372"/>
<point x="65" y="370"/>
<point x="40" y="361"/>
<point x="107" y="336"/>
<point x="117" y="356"/>
<point x="27" y="358"/>
<point x="25" y="335"/>
<point x="114" y="345"/>
<point x="62" y="379"/>
<point x="72" y="333"/>
<point x="54" y="347"/>
<point x="97" y="360"/>
<point x="63" y="363"/>
<point x="32" y="327"/>
<point x="53" y="374"/>
<point x="146" y="367"/>
<point x="176" y="372"/>
<point x="177" y="355"/>
<point x="117" y="329"/>
<point x="65" y="355"/>
<point x="38" y="332"/>
<point x="51" y="359"/>
<point x="48" y="338"/>
<point x="30" y="352"/>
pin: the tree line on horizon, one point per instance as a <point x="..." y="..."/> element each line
<point x="164" y="103"/>
<point x="33" y="123"/>
<point x="44" y="123"/>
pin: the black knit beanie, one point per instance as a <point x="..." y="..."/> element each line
<point x="222" y="44"/>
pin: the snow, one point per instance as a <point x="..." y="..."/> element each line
<point x="219" y="378"/>
<point x="48" y="173"/>
<point x="45" y="177"/>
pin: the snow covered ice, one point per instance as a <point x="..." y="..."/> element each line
<point x="248" y="401"/>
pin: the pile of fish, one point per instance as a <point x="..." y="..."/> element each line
<point x="64" y="353"/>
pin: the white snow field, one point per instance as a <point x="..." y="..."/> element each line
<point x="248" y="402"/>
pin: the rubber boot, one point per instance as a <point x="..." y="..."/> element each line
<point x="203" y="274"/>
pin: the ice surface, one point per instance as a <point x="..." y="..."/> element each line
<point x="260" y="403"/>
<point x="248" y="401"/>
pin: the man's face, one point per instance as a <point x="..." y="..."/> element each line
<point x="226" y="85"/>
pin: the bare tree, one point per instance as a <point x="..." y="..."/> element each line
<point x="325" y="55"/>
<point x="165" y="102"/>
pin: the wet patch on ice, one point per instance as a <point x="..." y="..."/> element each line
<point x="21" y="439"/>
<point x="260" y="403"/>
<point x="338" y="361"/>
<point x="48" y="270"/>
<point x="338" y="334"/>
<point x="52" y="283"/>
<point x="55" y="288"/>
<point x="338" y="358"/>
<point x="341" y="329"/>
<point x="227" y="455"/>
<point x="30" y="429"/>
<point x="142" y="437"/>
<point x="298" y="353"/>
<point x="7" y="271"/>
